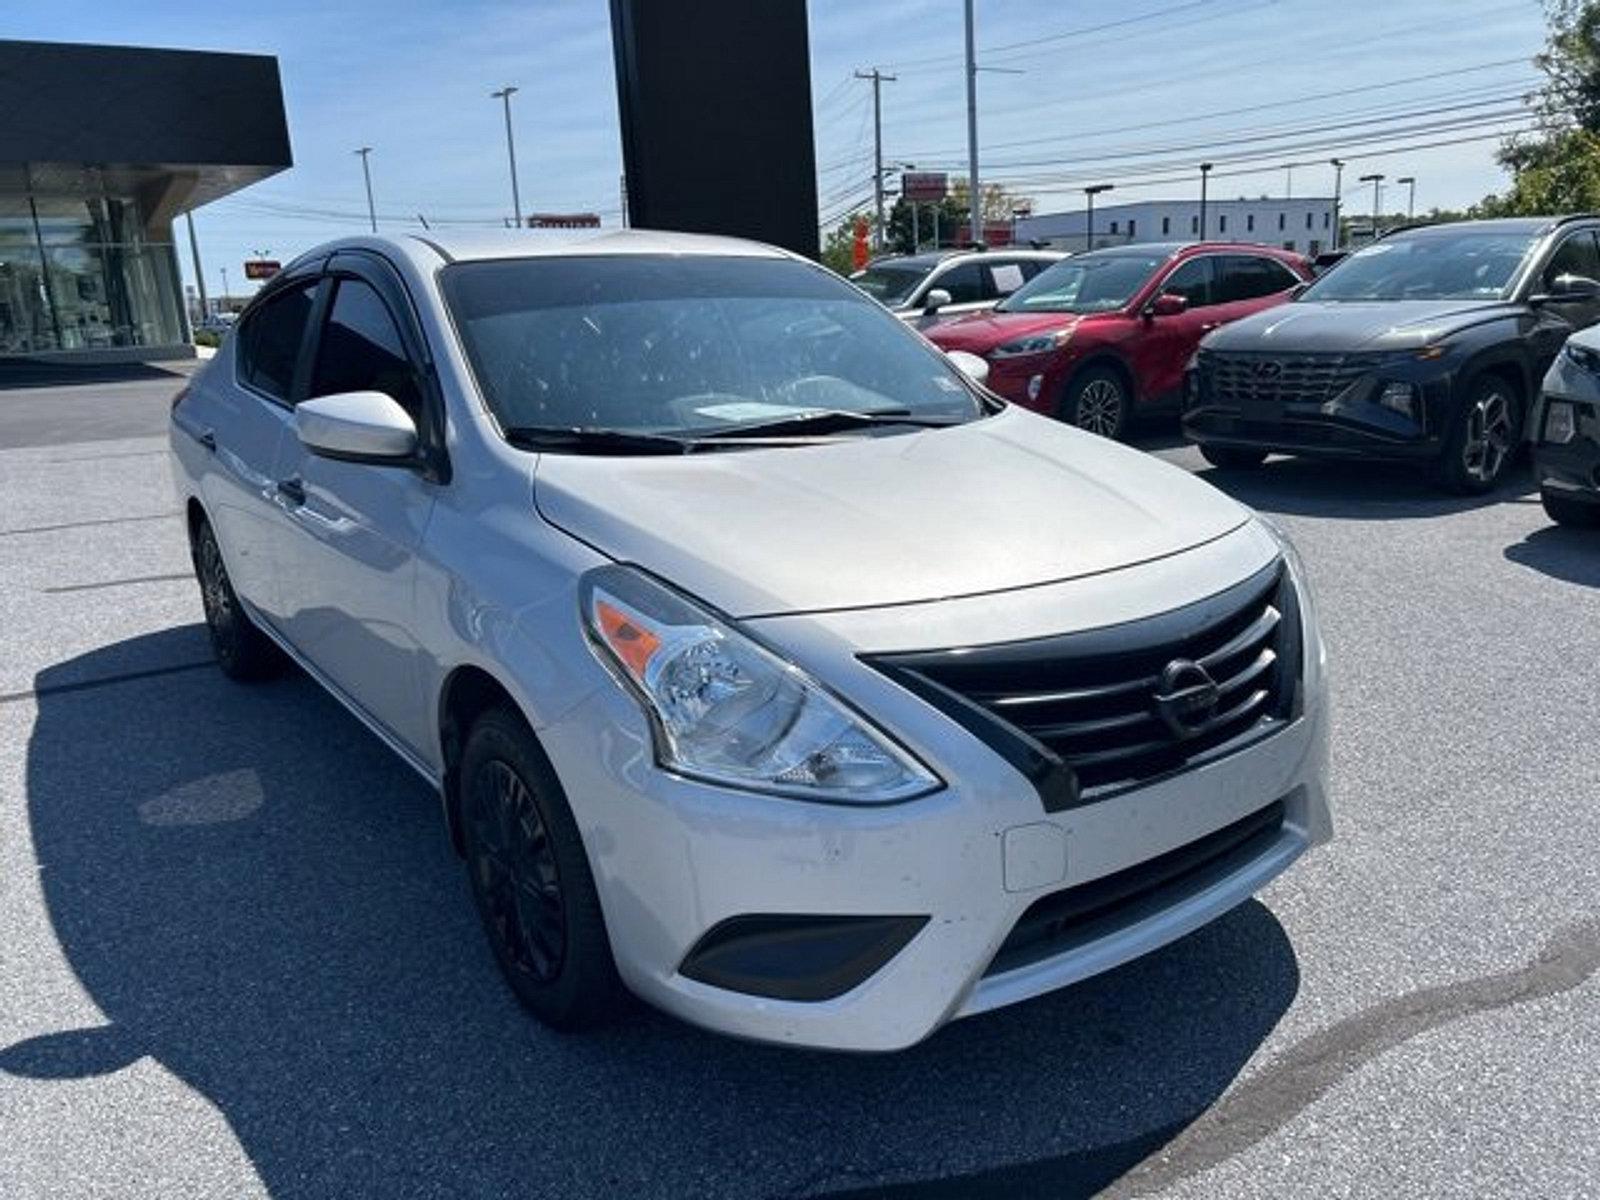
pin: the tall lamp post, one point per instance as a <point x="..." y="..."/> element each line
<point x="1411" y="196"/>
<point x="1092" y="191"/>
<point x="1338" y="188"/>
<point x="505" y="94"/>
<point x="1377" y="188"/>
<point x="366" y="174"/>
<point x="1205" y="174"/>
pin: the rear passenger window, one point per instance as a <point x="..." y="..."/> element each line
<point x="1004" y="278"/>
<point x="361" y="350"/>
<point x="270" y="340"/>
<point x="1246" y="277"/>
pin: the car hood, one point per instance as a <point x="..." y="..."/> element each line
<point x="982" y="332"/>
<point x="1309" y="327"/>
<point x="1011" y="501"/>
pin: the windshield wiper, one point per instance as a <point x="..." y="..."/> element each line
<point x="578" y="439"/>
<point x="829" y="420"/>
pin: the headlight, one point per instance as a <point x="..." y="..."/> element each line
<point x="1582" y="357"/>
<point x="1400" y="398"/>
<point x="1034" y="343"/>
<point x="1560" y="423"/>
<point x="729" y="711"/>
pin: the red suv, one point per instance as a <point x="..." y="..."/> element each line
<point x="1102" y="335"/>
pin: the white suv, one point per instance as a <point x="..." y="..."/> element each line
<point x="764" y="664"/>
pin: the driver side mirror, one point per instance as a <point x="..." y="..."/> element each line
<point x="1168" y="304"/>
<point x="970" y="365"/>
<point x="936" y="299"/>
<point x="366" y="427"/>
<point x="1568" y="287"/>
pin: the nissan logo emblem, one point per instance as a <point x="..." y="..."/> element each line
<point x="1186" y="698"/>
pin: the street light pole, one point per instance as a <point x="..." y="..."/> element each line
<point x="1338" y="178"/>
<point x="1411" y="198"/>
<point x="974" y="196"/>
<point x="1377" y="184"/>
<point x="1092" y="191"/>
<point x="505" y="94"/>
<point x="366" y="174"/>
<point x="222" y="305"/>
<point x="1205" y="174"/>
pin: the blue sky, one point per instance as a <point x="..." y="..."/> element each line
<point x="1133" y="93"/>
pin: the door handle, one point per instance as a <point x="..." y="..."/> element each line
<point x="207" y="438"/>
<point x="292" y="490"/>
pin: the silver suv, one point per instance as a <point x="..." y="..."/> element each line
<point x="764" y="664"/>
<point x="926" y="289"/>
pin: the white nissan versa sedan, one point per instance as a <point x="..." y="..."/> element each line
<point x="764" y="663"/>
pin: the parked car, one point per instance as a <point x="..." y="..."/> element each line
<point x="1106" y="335"/>
<point x="671" y="563"/>
<point x="1565" y="431"/>
<point x="927" y="289"/>
<point x="1426" y="346"/>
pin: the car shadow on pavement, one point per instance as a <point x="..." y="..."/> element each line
<point x="1364" y="491"/>
<point x="1572" y="555"/>
<point x="259" y="897"/>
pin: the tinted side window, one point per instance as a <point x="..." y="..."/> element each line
<point x="270" y="340"/>
<point x="964" y="283"/>
<point x="1246" y="277"/>
<point x="361" y="350"/>
<point x="1577" y="255"/>
<point x="1193" y="282"/>
<point x="1031" y="267"/>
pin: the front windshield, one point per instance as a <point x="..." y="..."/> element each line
<point x="890" y="283"/>
<point x="1468" y="265"/>
<point x="648" y="344"/>
<point x="1089" y="283"/>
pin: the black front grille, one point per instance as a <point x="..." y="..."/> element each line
<point x="1091" y="703"/>
<point x="1298" y="379"/>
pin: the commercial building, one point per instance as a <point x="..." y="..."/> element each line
<point x="1304" y="225"/>
<point x="101" y="149"/>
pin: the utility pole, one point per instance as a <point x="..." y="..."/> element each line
<point x="1205" y="174"/>
<point x="622" y="187"/>
<point x="878" y="79"/>
<point x="366" y="174"/>
<point x="1377" y="185"/>
<point x="199" y="271"/>
<point x="974" y="195"/>
<point x="1092" y="191"/>
<point x="1338" y="179"/>
<point x="505" y="94"/>
<point x="222" y="305"/>
<point x="1411" y="199"/>
<point x="1288" y="182"/>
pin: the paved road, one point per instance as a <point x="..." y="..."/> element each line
<point x="237" y="958"/>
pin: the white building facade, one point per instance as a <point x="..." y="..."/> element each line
<point x="1304" y="225"/>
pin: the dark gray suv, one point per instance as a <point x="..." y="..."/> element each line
<point x="1427" y="345"/>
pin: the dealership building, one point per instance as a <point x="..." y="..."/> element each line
<point x="1302" y="225"/>
<point x="102" y="149"/>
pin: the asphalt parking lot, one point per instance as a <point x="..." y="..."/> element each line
<point x="237" y="957"/>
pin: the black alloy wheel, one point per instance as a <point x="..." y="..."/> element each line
<point x="243" y="651"/>
<point x="530" y="877"/>
<point x="1483" y="440"/>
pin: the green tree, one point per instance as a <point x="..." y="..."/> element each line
<point x="1556" y="168"/>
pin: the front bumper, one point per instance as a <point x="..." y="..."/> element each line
<point x="1346" y="423"/>
<point x="1572" y="466"/>
<point x="675" y="860"/>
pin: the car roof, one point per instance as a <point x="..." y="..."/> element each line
<point x="1170" y="249"/>
<point x="1524" y="225"/>
<point x="935" y="258"/>
<point x="485" y="244"/>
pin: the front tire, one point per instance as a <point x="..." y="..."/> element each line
<point x="1482" y="441"/>
<point x="530" y="878"/>
<point x="1568" y="510"/>
<point x="243" y="651"/>
<point x="1233" y="458"/>
<point x="1098" y="400"/>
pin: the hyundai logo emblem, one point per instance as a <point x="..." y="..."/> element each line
<point x="1186" y="698"/>
<point x="1266" y="370"/>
